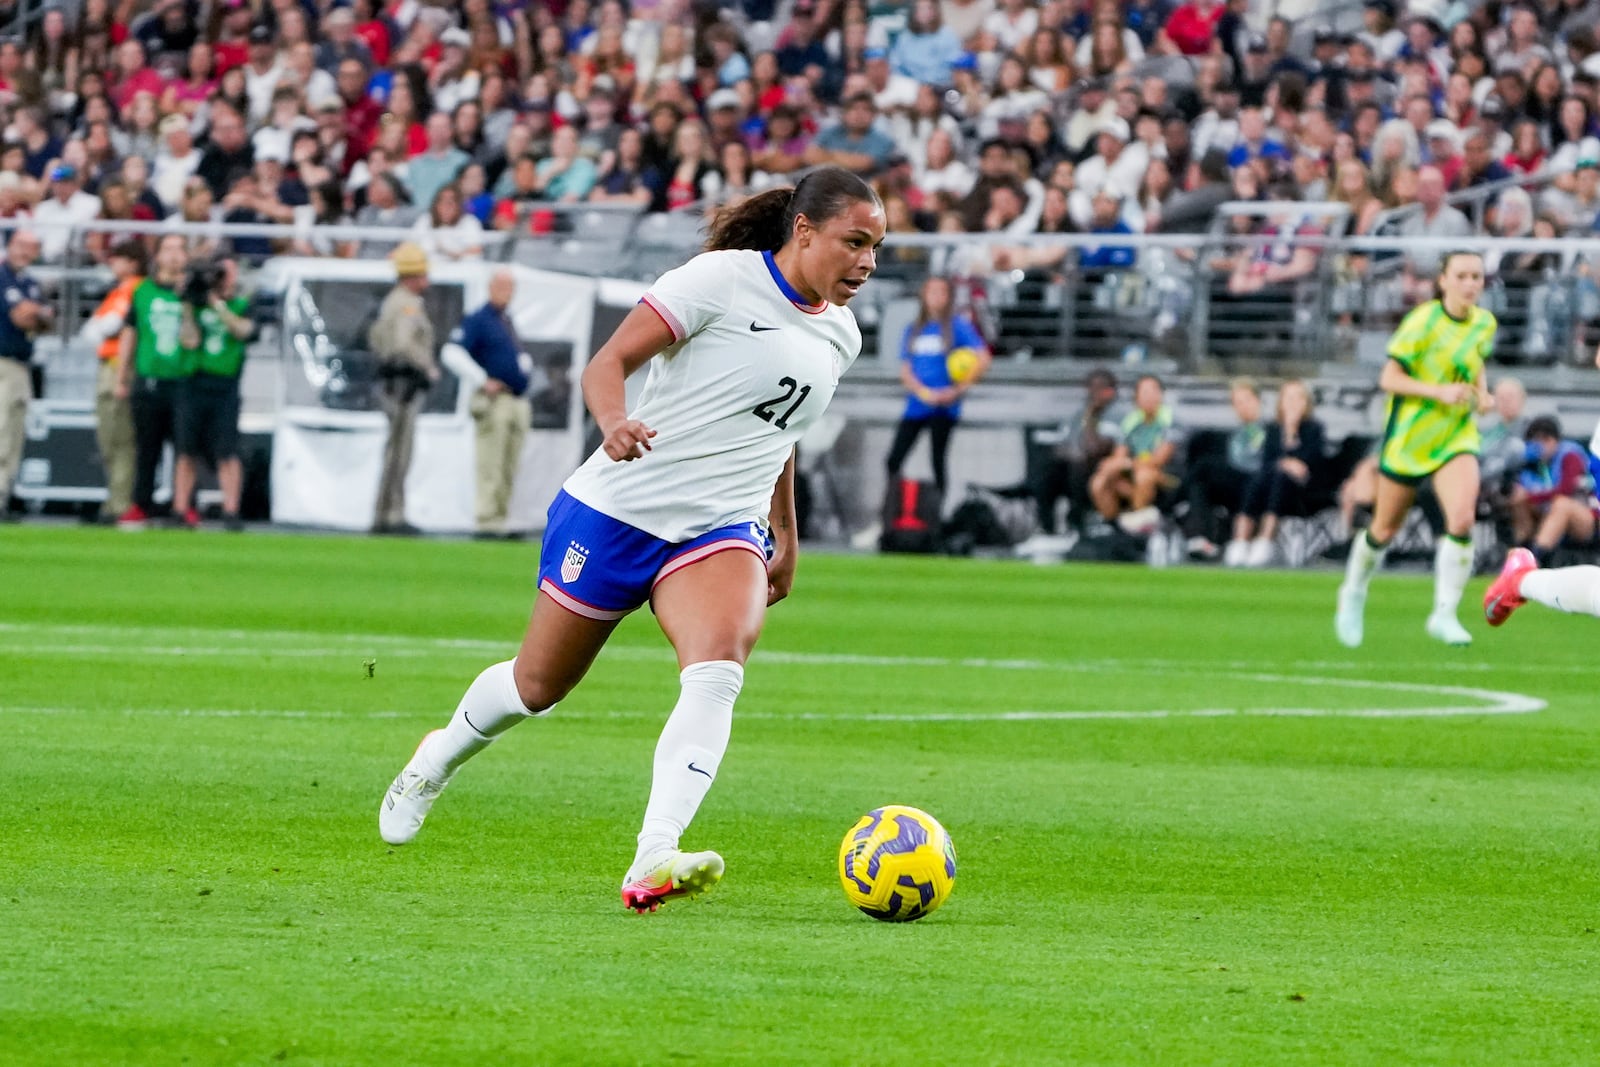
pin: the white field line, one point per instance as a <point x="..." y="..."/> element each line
<point x="256" y="645"/>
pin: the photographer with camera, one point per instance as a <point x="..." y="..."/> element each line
<point x="159" y="339"/>
<point x="402" y="339"/>
<point x="222" y="315"/>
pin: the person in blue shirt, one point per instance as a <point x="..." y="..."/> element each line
<point x="1107" y="219"/>
<point x="500" y="407"/>
<point x="933" y="400"/>
<point x="854" y="144"/>
<point x="927" y="48"/>
<point x="25" y="314"/>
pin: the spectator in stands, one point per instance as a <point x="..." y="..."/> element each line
<point x="386" y="208"/>
<point x="1115" y="162"/>
<point x="339" y="41"/>
<point x="692" y="176"/>
<point x="1127" y="483"/>
<point x="13" y="200"/>
<point x="447" y="232"/>
<point x="228" y="151"/>
<point x="626" y="181"/>
<point x="1573" y="202"/>
<point x="175" y="162"/>
<point x="324" y="207"/>
<point x="855" y="143"/>
<point x="1527" y="153"/>
<point x="31" y="127"/>
<point x="1215" y="483"/>
<point x="1479" y="167"/>
<point x="942" y="356"/>
<point x="67" y="206"/>
<point x="1192" y="211"/>
<point x="1106" y="218"/>
<point x="438" y="166"/>
<point x="1436" y="219"/>
<point x="1554" y="499"/>
<point x="926" y="49"/>
<point x="197" y="208"/>
<point x="1191" y="29"/>
<point x="1291" y="459"/>
<point x="27" y="314"/>
<point x="1092" y="109"/>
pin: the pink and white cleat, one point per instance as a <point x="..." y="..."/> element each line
<point x="671" y="875"/>
<point x="1504" y="594"/>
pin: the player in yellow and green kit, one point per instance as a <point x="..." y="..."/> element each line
<point x="1435" y="381"/>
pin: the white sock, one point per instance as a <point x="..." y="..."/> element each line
<point x="490" y="707"/>
<point x="1575" y="590"/>
<point x="1452" y="567"/>
<point x="1365" y="558"/>
<point x="689" y="752"/>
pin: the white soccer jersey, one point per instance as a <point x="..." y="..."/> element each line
<point x="752" y="368"/>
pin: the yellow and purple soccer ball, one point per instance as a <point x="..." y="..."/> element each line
<point x="897" y="864"/>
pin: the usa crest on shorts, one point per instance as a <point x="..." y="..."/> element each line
<point x="572" y="563"/>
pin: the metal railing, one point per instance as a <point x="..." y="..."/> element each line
<point x="1041" y="298"/>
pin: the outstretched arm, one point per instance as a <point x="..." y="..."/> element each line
<point x="785" y="536"/>
<point x="641" y="336"/>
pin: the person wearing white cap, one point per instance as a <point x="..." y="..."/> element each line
<point x="1442" y="146"/>
<point x="1115" y="161"/>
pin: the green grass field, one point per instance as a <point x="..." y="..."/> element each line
<point x="1192" y="828"/>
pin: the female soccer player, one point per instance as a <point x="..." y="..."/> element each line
<point x="1435" y="381"/>
<point x="688" y="504"/>
<point x="933" y="395"/>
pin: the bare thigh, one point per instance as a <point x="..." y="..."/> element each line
<point x="557" y="651"/>
<point x="714" y="609"/>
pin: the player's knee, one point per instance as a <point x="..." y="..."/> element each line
<point x="539" y="694"/>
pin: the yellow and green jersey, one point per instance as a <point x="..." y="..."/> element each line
<point x="1422" y="435"/>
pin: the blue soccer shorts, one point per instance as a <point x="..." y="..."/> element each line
<point x="602" y="568"/>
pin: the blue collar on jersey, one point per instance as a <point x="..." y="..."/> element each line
<point x="788" y="290"/>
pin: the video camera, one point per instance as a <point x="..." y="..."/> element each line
<point x="201" y="283"/>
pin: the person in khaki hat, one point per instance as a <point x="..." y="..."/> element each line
<point x="402" y="339"/>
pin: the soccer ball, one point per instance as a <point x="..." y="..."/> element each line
<point x="961" y="363"/>
<point x="897" y="864"/>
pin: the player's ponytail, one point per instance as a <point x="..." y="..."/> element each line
<point x="764" y="222"/>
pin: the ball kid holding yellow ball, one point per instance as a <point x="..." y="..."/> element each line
<point x="942" y="355"/>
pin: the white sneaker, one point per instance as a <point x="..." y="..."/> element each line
<point x="1448" y="628"/>
<point x="406" y="803"/>
<point x="1349" y="622"/>
<point x="1234" y="555"/>
<point x="1259" y="554"/>
<point x="1140" y="522"/>
<point x="671" y="875"/>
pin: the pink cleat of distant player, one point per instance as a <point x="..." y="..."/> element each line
<point x="1504" y="594"/>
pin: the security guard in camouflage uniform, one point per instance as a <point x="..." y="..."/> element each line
<point x="402" y="339"/>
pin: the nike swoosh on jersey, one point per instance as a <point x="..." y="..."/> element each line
<point x="762" y="329"/>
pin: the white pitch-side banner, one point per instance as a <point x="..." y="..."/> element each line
<point x="328" y="443"/>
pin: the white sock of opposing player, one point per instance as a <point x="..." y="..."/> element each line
<point x="490" y="707"/>
<point x="689" y="752"/>
<point x="1452" y="567"/>
<point x="1365" y="558"/>
<point x="1575" y="590"/>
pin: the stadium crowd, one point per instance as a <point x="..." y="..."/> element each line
<point x="970" y="115"/>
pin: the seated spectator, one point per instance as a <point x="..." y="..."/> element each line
<point x="626" y="181"/>
<point x="67" y="205"/>
<point x="941" y="171"/>
<point x="1107" y="219"/>
<point x="243" y="206"/>
<point x="1191" y="29"/>
<point x="438" y="166"/>
<point x="1554" y="499"/>
<point x="40" y="147"/>
<point x="1573" y="202"/>
<point x="197" y="208"/>
<point x="13" y="200"/>
<point x="447" y="232"/>
<point x="691" y="176"/>
<point x="1115" y="162"/>
<point x="926" y="50"/>
<point x="386" y="208"/>
<point x="1527" y="153"/>
<point x="475" y="196"/>
<point x="1253" y="143"/>
<point x="1215" y="484"/>
<point x="1478" y="165"/>
<point x="1127" y="483"/>
<point x="175" y="162"/>
<point x="325" y="207"/>
<point x="1444" y="151"/>
<point x="1191" y="211"/>
<point x="1081" y="444"/>
<point x="1436" y="219"/>
<point x="780" y="148"/>
<point x="855" y="143"/>
<point x="1291" y="459"/>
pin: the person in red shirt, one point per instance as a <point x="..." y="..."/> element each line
<point x="232" y="47"/>
<point x="132" y="77"/>
<point x="1191" y="30"/>
<point x="376" y="31"/>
